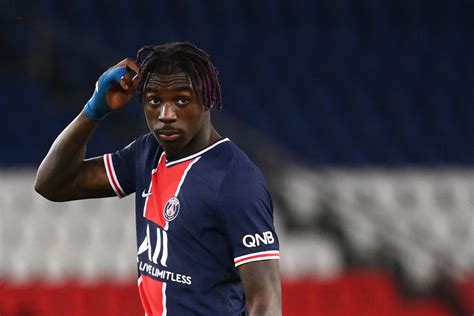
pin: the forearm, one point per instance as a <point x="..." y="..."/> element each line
<point x="265" y="307"/>
<point x="64" y="174"/>
<point x="261" y="281"/>
<point x="65" y="157"/>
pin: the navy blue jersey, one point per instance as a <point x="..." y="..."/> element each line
<point x="198" y="219"/>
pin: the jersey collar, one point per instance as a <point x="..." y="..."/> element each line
<point x="199" y="153"/>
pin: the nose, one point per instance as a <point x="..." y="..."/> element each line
<point x="167" y="113"/>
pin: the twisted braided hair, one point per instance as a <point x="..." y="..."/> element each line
<point x="172" y="58"/>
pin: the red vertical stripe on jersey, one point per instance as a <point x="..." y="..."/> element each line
<point x="150" y="288"/>
<point x="164" y="183"/>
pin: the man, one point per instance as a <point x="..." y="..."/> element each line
<point x="205" y="235"/>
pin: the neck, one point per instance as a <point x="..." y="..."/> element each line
<point x="201" y="140"/>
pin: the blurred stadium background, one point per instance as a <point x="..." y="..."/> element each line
<point x="360" y="113"/>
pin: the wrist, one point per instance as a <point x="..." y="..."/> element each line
<point x="94" y="112"/>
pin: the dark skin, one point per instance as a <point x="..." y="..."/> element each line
<point x="182" y="125"/>
<point x="172" y="110"/>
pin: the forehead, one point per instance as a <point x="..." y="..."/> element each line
<point x="178" y="81"/>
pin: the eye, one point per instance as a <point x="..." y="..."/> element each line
<point x="153" y="101"/>
<point x="182" y="100"/>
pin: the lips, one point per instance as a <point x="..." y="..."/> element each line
<point x="168" y="135"/>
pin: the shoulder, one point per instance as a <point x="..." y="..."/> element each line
<point x="235" y="158"/>
<point x="143" y="144"/>
<point x="240" y="170"/>
<point x="230" y="163"/>
<point x="242" y="189"/>
<point x="147" y="140"/>
<point x="241" y="164"/>
<point x="225" y="164"/>
<point x="141" y="149"/>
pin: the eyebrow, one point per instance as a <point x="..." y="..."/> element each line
<point x="183" y="88"/>
<point x="178" y="88"/>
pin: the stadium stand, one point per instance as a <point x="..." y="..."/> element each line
<point x="86" y="246"/>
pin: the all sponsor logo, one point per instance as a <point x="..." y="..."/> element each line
<point x="152" y="256"/>
<point x="156" y="245"/>
<point x="171" y="209"/>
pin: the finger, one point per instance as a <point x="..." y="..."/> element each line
<point x="130" y="63"/>
<point x="135" y="81"/>
<point x="126" y="81"/>
<point x="133" y="65"/>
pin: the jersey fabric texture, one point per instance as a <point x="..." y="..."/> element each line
<point x="197" y="219"/>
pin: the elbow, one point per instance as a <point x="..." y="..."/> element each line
<point x="42" y="188"/>
<point x="49" y="195"/>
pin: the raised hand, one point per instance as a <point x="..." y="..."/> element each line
<point x="113" y="90"/>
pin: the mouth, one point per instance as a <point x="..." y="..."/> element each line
<point x="168" y="135"/>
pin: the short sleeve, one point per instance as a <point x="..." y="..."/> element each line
<point x="245" y="206"/>
<point x="120" y="168"/>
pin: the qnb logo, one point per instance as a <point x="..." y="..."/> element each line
<point x="155" y="245"/>
<point x="251" y="241"/>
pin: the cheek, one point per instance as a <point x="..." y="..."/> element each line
<point x="197" y="119"/>
<point x="150" y="117"/>
<point x="149" y="112"/>
<point x="192" y="115"/>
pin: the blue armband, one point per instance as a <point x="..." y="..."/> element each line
<point x="97" y="108"/>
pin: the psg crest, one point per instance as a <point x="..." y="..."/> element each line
<point x="171" y="209"/>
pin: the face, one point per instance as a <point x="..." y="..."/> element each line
<point x="175" y="115"/>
